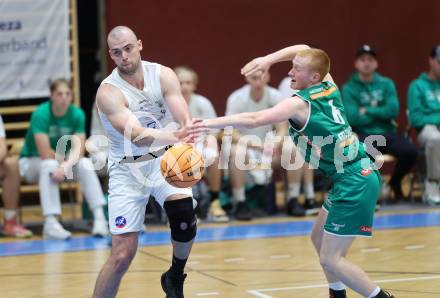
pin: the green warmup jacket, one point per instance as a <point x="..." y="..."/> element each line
<point x="424" y="102"/>
<point x="378" y="97"/>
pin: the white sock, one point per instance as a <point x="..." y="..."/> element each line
<point x="10" y="214"/>
<point x="239" y="194"/>
<point x="375" y="292"/>
<point x="337" y="286"/>
<point x="309" y="191"/>
<point x="51" y="219"/>
<point x="293" y="190"/>
<point x="98" y="213"/>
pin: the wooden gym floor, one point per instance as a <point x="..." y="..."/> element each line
<point x="271" y="257"/>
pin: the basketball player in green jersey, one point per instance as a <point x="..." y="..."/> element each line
<point x="319" y="127"/>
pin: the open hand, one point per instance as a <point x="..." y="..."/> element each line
<point x="191" y="132"/>
<point x="260" y="64"/>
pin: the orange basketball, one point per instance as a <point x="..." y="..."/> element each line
<point x="182" y="166"/>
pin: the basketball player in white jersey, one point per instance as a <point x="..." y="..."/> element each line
<point x="136" y="99"/>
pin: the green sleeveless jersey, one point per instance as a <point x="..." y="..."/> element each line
<point x="326" y="140"/>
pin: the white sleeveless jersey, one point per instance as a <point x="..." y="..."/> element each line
<point x="148" y="105"/>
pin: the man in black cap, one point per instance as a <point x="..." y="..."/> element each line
<point x="424" y="116"/>
<point x="372" y="106"/>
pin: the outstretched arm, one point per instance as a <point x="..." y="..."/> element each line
<point x="111" y="102"/>
<point x="289" y="108"/>
<point x="264" y="63"/>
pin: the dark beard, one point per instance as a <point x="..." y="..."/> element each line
<point x="128" y="71"/>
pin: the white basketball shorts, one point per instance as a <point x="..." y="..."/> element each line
<point x="130" y="186"/>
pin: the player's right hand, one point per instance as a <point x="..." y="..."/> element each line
<point x="190" y="133"/>
<point x="260" y="64"/>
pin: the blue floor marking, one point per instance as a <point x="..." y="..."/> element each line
<point x="209" y="234"/>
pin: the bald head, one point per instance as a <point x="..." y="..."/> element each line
<point x="124" y="49"/>
<point x="121" y="33"/>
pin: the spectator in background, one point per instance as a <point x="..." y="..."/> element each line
<point x="256" y="96"/>
<point x="424" y="116"/>
<point x="10" y="182"/>
<point x="201" y="108"/>
<point x="305" y="173"/>
<point x="372" y="106"/>
<point x="51" y="121"/>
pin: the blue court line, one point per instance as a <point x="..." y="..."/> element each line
<point x="209" y="234"/>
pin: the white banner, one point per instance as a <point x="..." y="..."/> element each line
<point x="34" y="46"/>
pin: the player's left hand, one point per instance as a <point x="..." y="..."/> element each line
<point x="260" y="64"/>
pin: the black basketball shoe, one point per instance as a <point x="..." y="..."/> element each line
<point x="172" y="284"/>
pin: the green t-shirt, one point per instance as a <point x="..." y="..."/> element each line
<point x="378" y="97"/>
<point x="424" y="102"/>
<point x="326" y="141"/>
<point x="43" y="121"/>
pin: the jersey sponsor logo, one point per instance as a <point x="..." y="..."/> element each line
<point x="366" y="229"/>
<point x="366" y="172"/>
<point x="316" y="90"/>
<point x="120" y="222"/>
<point x="323" y="93"/>
<point x="337" y="227"/>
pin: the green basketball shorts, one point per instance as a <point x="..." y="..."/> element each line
<point x="351" y="202"/>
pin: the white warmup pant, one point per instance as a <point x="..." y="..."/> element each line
<point x="429" y="137"/>
<point x="35" y="169"/>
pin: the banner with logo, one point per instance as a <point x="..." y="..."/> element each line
<point x="34" y="46"/>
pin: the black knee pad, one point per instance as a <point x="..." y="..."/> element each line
<point x="182" y="219"/>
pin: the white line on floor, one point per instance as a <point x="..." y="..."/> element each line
<point x="412" y="247"/>
<point x="280" y="256"/>
<point x="234" y="260"/>
<point x="258" y="292"/>
<point x="367" y="250"/>
<point x="208" y="294"/>
<point x="193" y="263"/>
<point x="201" y="256"/>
